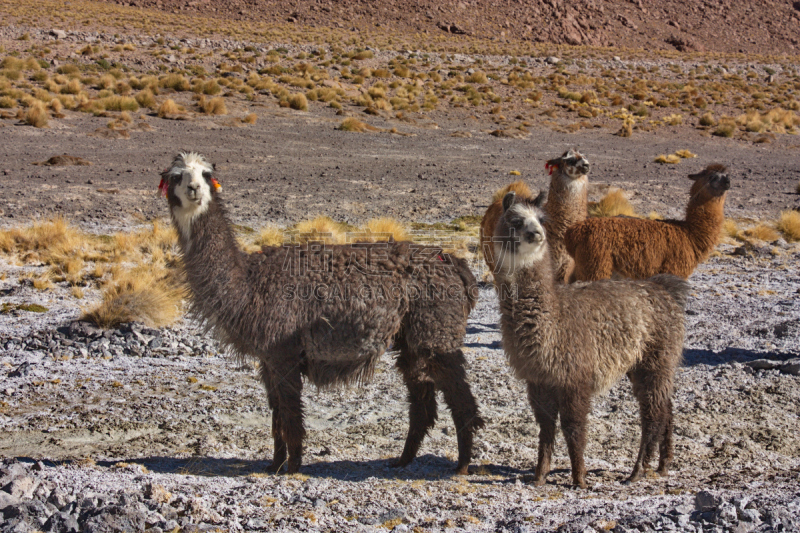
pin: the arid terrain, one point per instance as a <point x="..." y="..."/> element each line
<point x="355" y="112"/>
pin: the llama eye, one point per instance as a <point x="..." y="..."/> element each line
<point x="207" y="174"/>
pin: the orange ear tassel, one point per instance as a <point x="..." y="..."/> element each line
<point x="216" y="184"/>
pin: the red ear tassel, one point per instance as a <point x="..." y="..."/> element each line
<point x="162" y="187"/>
<point x="549" y="167"/>
<point x="216" y="184"/>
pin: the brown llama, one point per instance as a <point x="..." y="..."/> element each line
<point x="327" y="312"/>
<point x="566" y="206"/>
<point x="639" y="248"/>
<point x="571" y="342"/>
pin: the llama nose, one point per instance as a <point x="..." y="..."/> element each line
<point x="725" y="182"/>
<point x="584" y="167"/>
<point x="191" y="191"/>
<point x="533" y="236"/>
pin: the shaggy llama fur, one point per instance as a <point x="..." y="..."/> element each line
<point x="640" y="248"/>
<point x="566" y="205"/>
<point x="327" y="312"/>
<point x="571" y="342"/>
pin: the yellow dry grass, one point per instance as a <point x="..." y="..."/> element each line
<point x="215" y="106"/>
<point x="611" y="205"/>
<point x="353" y="124"/>
<point x="789" y="225"/>
<point x="670" y="159"/>
<point x="383" y="229"/>
<point x="762" y="232"/>
<point x="270" y="236"/>
<point x="251" y="118"/>
<point x="685" y="154"/>
<point x="298" y="101"/>
<point x="169" y="107"/>
<point x="142" y="294"/>
<point x="37" y="115"/>
<point x="730" y="229"/>
<point x="322" y="229"/>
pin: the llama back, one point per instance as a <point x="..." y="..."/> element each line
<point x="678" y="288"/>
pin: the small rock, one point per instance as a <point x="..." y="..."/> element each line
<point x="705" y="501"/>
<point x="553" y="60"/>
<point x="21" y="487"/>
<point x="58" y="34"/>
<point x="7" y="499"/>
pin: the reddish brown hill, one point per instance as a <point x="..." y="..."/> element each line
<point x="751" y="26"/>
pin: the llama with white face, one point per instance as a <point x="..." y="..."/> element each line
<point x="571" y="342"/>
<point x="329" y="322"/>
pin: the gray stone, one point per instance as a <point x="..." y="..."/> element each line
<point x="21" y="487"/>
<point x="553" y="60"/>
<point x="114" y="518"/>
<point x="62" y="523"/>
<point x="7" y="499"/>
<point x="705" y="501"/>
<point x="58" y="34"/>
<point x="792" y="367"/>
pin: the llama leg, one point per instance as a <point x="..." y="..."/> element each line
<point x="545" y="409"/>
<point x="288" y="386"/>
<point x="574" y="409"/>
<point x="421" y="402"/>
<point x="666" y="447"/>
<point x="653" y="406"/>
<point x="450" y="377"/>
<point x="279" y="448"/>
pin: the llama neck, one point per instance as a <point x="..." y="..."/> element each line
<point x="529" y="289"/>
<point x="213" y="263"/>
<point x="703" y="224"/>
<point x="566" y="204"/>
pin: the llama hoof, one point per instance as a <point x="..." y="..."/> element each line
<point x="538" y="482"/>
<point x="632" y="479"/>
<point x="663" y="472"/>
<point x="462" y="470"/>
<point x="580" y="484"/>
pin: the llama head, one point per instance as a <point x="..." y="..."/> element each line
<point x="190" y="188"/>
<point x="519" y="237"/>
<point x="712" y="183"/>
<point x="572" y="164"/>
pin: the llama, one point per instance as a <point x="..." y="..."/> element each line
<point x="566" y="206"/>
<point x="640" y="248"/>
<point x="327" y="312"/>
<point x="570" y="342"/>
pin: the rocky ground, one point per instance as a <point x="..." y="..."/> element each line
<point x="140" y="428"/>
<point x="694" y="25"/>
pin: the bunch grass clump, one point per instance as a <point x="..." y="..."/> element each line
<point x="670" y="159"/>
<point x="37" y="115"/>
<point x="270" y="236"/>
<point x="215" y="106"/>
<point x="762" y="232"/>
<point x="611" y="205"/>
<point x="383" y="229"/>
<point x="353" y="124"/>
<point x="789" y="225"/>
<point x="142" y="294"/>
<point x="321" y="229"/>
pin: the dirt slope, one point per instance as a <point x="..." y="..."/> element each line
<point x="751" y="26"/>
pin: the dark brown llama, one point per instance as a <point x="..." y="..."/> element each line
<point x="327" y="312"/>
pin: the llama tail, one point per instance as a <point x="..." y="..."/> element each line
<point x="677" y="287"/>
<point x="468" y="279"/>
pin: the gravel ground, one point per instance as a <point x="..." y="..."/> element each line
<point x="140" y="428"/>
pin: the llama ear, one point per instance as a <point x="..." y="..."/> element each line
<point x="508" y="200"/>
<point x="540" y="199"/>
<point x="552" y="164"/>
<point x="695" y="177"/>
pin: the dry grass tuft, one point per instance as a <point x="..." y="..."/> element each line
<point x="298" y="101"/>
<point x="685" y="154"/>
<point x="383" y="229"/>
<point x="50" y="242"/>
<point x="627" y="127"/>
<point x="789" y="225"/>
<point x="670" y="159"/>
<point x="37" y="115"/>
<point x="322" y="229"/>
<point x="270" y="236"/>
<point x="611" y="205"/>
<point x="169" y="107"/>
<point x="142" y="294"/>
<point x="353" y="124"/>
<point x="762" y="232"/>
<point x="215" y="106"/>
<point x="730" y="229"/>
<point x="251" y="118"/>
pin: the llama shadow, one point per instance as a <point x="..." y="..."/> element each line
<point x="424" y="467"/>
<point x="729" y="355"/>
